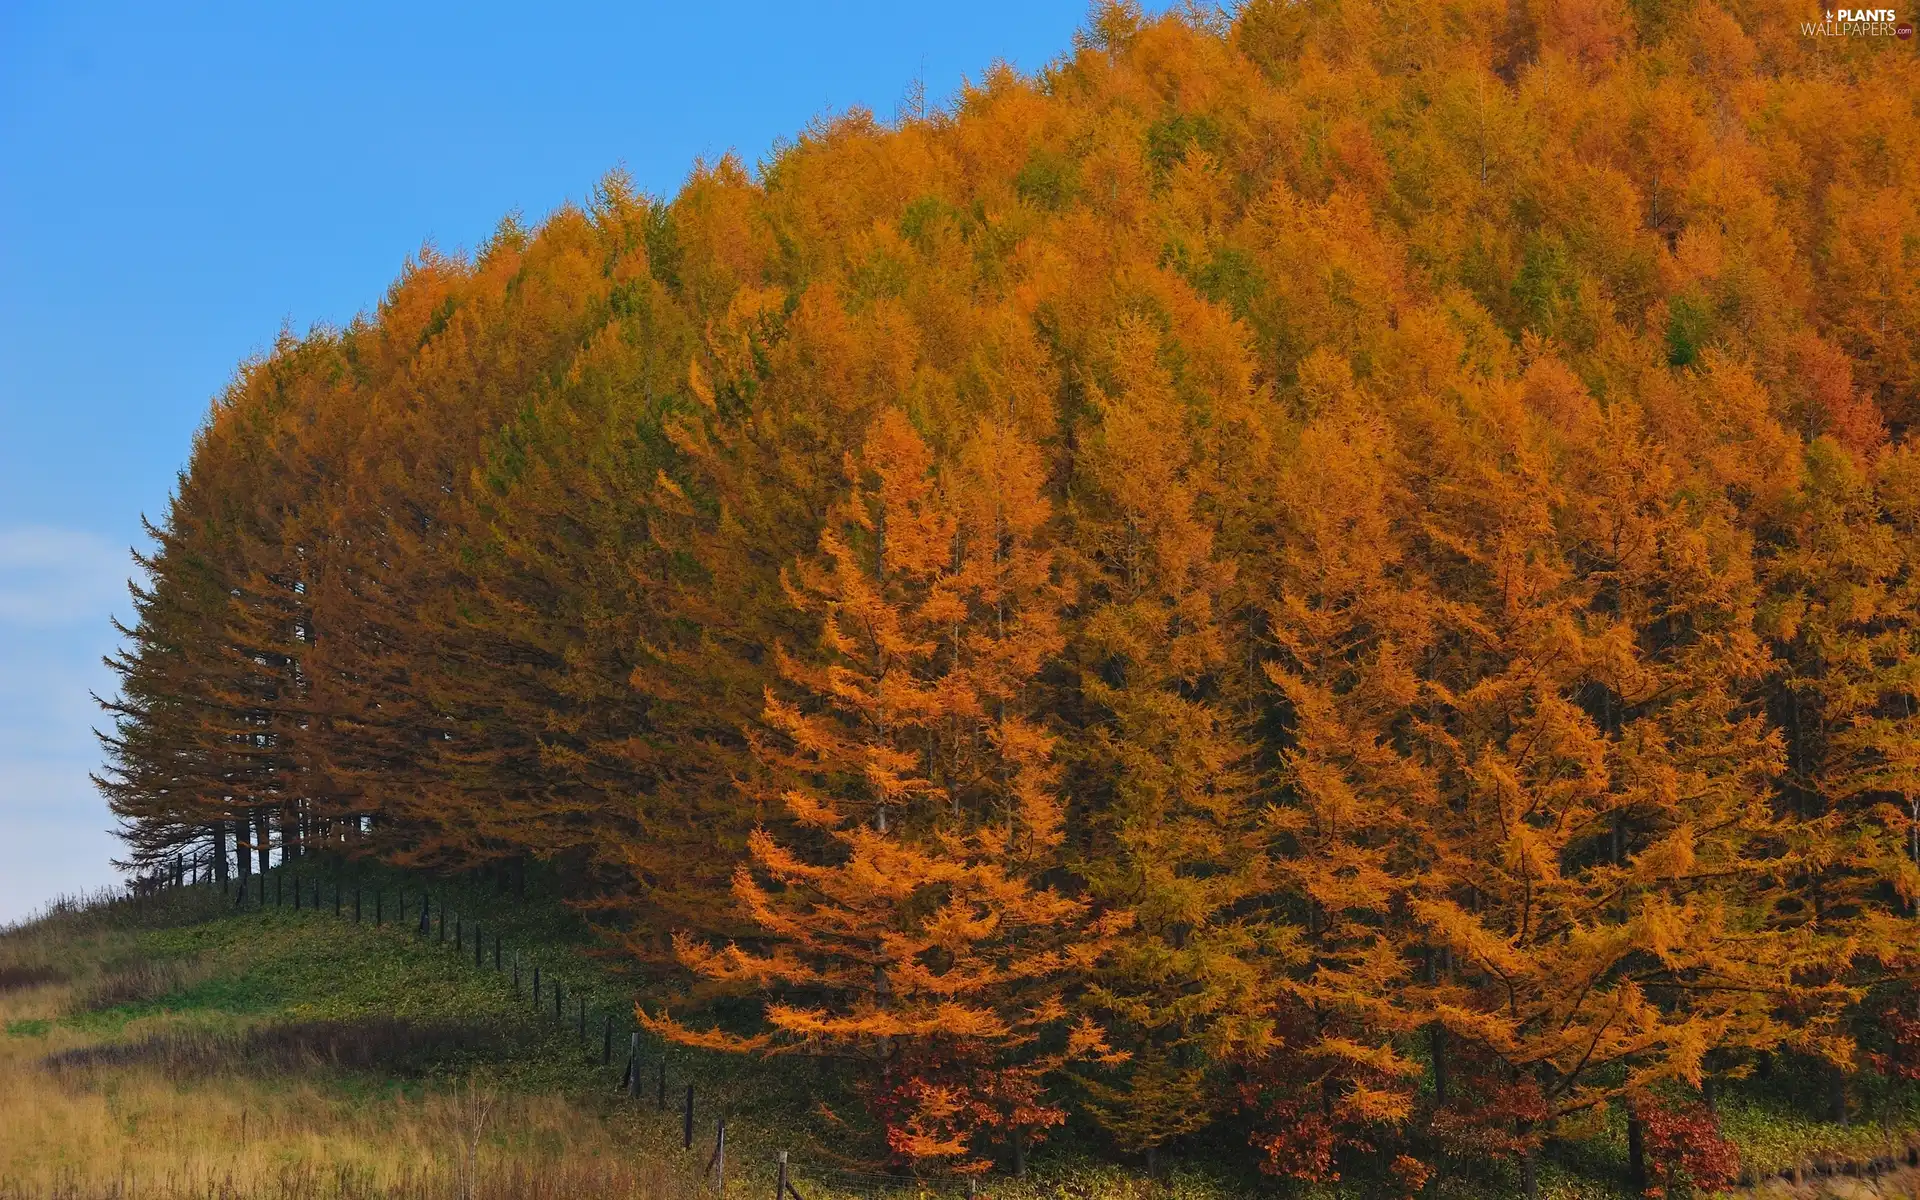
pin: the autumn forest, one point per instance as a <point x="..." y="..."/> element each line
<point x="1341" y="578"/>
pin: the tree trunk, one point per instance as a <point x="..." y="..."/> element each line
<point x="1837" y="1095"/>
<point x="1019" y="1153"/>
<point x="263" y="839"/>
<point x="1529" y="1173"/>
<point x="1438" y="1034"/>
<point x="241" y="845"/>
<point x="220" y="854"/>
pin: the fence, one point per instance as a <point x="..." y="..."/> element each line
<point x="442" y="926"/>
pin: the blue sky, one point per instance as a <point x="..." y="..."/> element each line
<point x="179" y="182"/>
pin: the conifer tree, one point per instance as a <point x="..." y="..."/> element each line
<point x="910" y="925"/>
<point x="1172" y="825"/>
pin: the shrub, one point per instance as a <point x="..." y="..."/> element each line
<point x="1686" y="1153"/>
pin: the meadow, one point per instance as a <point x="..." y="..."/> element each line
<point x="176" y="1048"/>
<point x="178" y="1045"/>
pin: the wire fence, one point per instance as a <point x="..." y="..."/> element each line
<point x="605" y="1032"/>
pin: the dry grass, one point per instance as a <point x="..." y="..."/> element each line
<point x="134" y="982"/>
<point x="565" y="1182"/>
<point x="166" y="1106"/>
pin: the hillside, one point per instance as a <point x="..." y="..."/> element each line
<point x="177" y="1046"/>
<point x="1332" y="591"/>
<point x="180" y="1045"/>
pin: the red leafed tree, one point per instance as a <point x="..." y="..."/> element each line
<point x="1686" y="1152"/>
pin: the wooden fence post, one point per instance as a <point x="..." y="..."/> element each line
<point x="780" y="1185"/>
<point x="686" y="1121"/>
<point x="583" y="1018"/>
<point x="719" y="1163"/>
<point x="536" y="985"/>
<point x="606" y="1042"/>
<point x="633" y="1066"/>
<point x="516" y="974"/>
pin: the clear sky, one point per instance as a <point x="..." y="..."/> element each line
<point x="179" y="182"/>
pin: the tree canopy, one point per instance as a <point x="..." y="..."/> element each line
<point x="1348" y="572"/>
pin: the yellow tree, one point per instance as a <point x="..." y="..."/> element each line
<point x="1351" y="618"/>
<point x="1842" y="613"/>
<point x="1165" y="787"/>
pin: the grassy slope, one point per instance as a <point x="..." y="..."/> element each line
<point x="302" y="1054"/>
<point x="183" y="985"/>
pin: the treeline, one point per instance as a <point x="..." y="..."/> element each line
<point x="1346" y="576"/>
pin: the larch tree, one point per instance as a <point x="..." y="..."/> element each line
<point x="912" y="922"/>
<point x="1164" y="767"/>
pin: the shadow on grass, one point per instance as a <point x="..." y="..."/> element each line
<point x="382" y="1044"/>
<point x="20" y="978"/>
<point x="136" y="981"/>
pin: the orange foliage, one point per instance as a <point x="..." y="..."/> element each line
<point x="1350" y="570"/>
